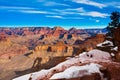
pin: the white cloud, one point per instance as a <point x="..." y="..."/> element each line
<point x="63" y="12"/>
<point x="65" y="17"/>
<point x="89" y="2"/>
<point x="80" y="11"/>
<point x="75" y="9"/>
<point x="51" y="3"/>
<point x="15" y="7"/>
<point x="95" y="14"/>
<point x="74" y="18"/>
<point x="113" y="4"/>
<point x="69" y="11"/>
<point x="25" y="10"/>
<point x="33" y="11"/>
<point x="60" y="17"/>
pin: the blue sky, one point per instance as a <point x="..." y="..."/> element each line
<point x="65" y="13"/>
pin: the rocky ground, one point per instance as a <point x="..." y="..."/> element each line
<point x="93" y="65"/>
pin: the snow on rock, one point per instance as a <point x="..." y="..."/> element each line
<point x="40" y="74"/>
<point x="107" y="43"/>
<point x="115" y="49"/>
<point x="34" y="75"/>
<point x="78" y="71"/>
<point x="86" y="57"/>
<point x="98" y="54"/>
<point x="25" y="77"/>
<point x="95" y="55"/>
<point x="112" y="54"/>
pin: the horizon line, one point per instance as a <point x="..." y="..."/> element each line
<point x="52" y="26"/>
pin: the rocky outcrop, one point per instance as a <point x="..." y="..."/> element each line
<point x="116" y="34"/>
<point x="112" y="44"/>
<point x="88" y="44"/>
<point x="49" y="51"/>
<point x="61" y="49"/>
<point x="93" y="65"/>
<point x="41" y="48"/>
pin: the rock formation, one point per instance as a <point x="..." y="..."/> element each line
<point x="116" y="40"/>
<point x="8" y="49"/>
<point x="88" y="44"/>
<point x="49" y="51"/>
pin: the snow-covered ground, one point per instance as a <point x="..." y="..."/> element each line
<point x="78" y="71"/>
<point x="94" y="55"/>
<point x="70" y="68"/>
<point x="25" y="77"/>
<point x="108" y="43"/>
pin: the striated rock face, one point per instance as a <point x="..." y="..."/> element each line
<point x="58" y="47"/>
<point x="56" y="50"/>
<point x="8" y="49"/>
<point x="61" y="49"/>
<point x="54" y="33"/>
<point x="69" y="49"/>
<point x="43" y="35"/>
<point x="41" y="48"/>
<point x="12" y="50"/>
<point x="15" y="41"/>
<point x="46" y="30"/>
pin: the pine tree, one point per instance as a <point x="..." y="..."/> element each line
<point x="115" y="21"/>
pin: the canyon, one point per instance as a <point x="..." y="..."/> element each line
<point x="44" y="45"/>
<point x="16" y="41"/>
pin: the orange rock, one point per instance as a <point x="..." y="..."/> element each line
<point x="69" y="49"/>
<point x="56" y="50"/>
<point x="58" y="28"/>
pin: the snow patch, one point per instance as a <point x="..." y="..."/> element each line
<point x="78" y="71"/>
<point x="25" y="77"/>
<point x="112" y="54"/>
<point x="108" y="43"/>
<point x="94" y="55"/>
<point x="115" y="49"/>
<point x="41" y="73"/>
